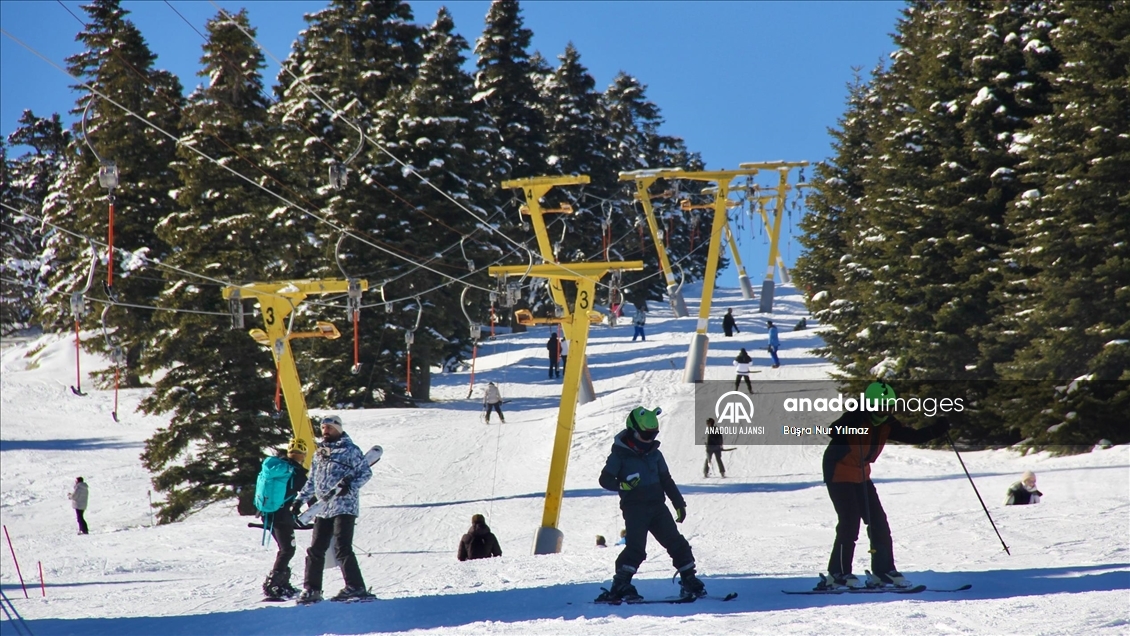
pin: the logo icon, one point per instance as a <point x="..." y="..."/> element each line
<point x="734" y="408"/>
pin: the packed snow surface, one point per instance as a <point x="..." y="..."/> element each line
<point x="767" y="527"/>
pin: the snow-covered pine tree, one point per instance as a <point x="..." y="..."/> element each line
<point x="24" y="186"/>
<point x="1068" y="306"/>
<point x="633" y="142"/>
<point x="219" y="383"/>
<point x="338" y="82"/>
<point x="505" y="84"/>
<point x="443" y="161"/>
<point x="118" y="63"/>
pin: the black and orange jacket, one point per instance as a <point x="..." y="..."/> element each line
<point x="848" y="458"/>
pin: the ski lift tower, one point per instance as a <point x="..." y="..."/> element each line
<point x="534" y="188"/>
<point x="277" y="302"/>
<point x="548" y="538"/>
<point x="695" y="369"/>
<point x="783" y="187"/>
<point x="743" y="278"/>
<point x="644" y="179"/>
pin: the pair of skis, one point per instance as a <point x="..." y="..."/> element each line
<point x="675" y="600"/>
<point x="824" y="587"/>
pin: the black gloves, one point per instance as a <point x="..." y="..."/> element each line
<point x="296" y="509"/>
<point x="343" y="486"/>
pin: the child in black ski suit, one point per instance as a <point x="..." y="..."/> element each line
<point x="636" y="469"/>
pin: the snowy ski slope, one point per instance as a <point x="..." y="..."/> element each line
<point x="765" y="528"/>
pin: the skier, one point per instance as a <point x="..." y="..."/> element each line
<point x="554" y="348"/>
<point x="493" y="400"/>
<point x="564" y="353"/>
<point x="847" y="474"/>
<point x="741" y="363"/>
<point x="714" y="448"/>
<point x="79" y="499"/>
<point x="774" y="343"/>
<point x="1024" y="491"/>
<point x="638" y="322"/>
<point x="728" y="324"/>
<point x="336" y="475"/>
<point x="277" y="585"/>
<point x="479" y="542"/>
<point x="636" y="469"/>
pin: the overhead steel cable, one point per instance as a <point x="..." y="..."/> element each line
<point x="276" y="195"/>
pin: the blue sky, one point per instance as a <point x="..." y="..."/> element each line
<point x="739" y="81"/>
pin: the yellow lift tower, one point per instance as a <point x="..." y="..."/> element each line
<point x="548" y="538"/>
<point x="782" y="167"/>
<point x="277" y="302"/>
<point x="743" y="279"/>
<point x="534" y="188"/>
<point x="644" y="179"/>
<point x="695" y="369"/>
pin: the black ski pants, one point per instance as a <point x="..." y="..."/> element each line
<point x="738" y="382"/>
<point x="554" y="370"/>
<point x="82" y="527"/>
<point x="640" y="519"/>
<point x="497" y="407"/>
<point x="855" y="503"/>
<point x="340" y="528"/>
<point x="282" y="529"/>
<point x="716" y="453"/>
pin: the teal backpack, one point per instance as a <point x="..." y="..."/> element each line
<point x="270" y="489"/>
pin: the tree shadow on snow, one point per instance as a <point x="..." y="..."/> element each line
<point x="573" y="601"/>
<point x="82" y="444"/>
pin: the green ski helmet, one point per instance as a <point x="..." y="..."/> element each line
<point x="644" y="422"/>
<point x="882" y="393"/>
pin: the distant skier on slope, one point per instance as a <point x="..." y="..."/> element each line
<point x="636" y="469"/>
<point x="79" y="498"/>
<point x="741" y="365"/>
<point x="729" y="326"/>
<point x="492" y="400"/>
<point x="554" y="349"/>
<point x="847" y="474"/>
<point x="714" y="449"/>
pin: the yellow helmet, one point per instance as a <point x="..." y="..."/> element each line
<point x="296" y="445"/>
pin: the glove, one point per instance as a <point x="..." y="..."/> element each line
<point x="631" y="482"/>
<point x="343" y="486"/>
<point x="680" y="514"/>
<point x="296" y="509"/>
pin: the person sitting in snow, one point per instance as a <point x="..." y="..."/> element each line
<point x="637" y="471"/>
<point x="1024" y="491"/>
<point x="479" y="542"/>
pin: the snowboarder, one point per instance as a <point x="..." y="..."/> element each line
<point x="714" y="448"/>
<point x="636" y="469"/>
<point x="774" y="343"/>
<point x="479" y="542"/>
<point x="277" y="585"/>
<point x="554" y="348"/>
<point x="638" y="322"/>
<point x="741" y="363"/>
<point x="847" y="474"/>
<point x="337" y="473"/>
<point x="79" y="498"/>
<point x="728" y="324"/>
<point x="493" y="401"/>
<point x="1024" y="491"/>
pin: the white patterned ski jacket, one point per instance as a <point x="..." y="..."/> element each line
<point x="333" y="462"/>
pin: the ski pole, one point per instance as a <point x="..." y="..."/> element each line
<point x="983" y="507"/>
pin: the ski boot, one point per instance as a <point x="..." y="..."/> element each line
<point x="689" y="585"/>
<point x="890" y="579"/>
<point x="277" y="586"/>
<point x="309" y="597"/>
<point x="350" y="593"/>
<point x="839" y="581"/>
<point x="622" y="590"/>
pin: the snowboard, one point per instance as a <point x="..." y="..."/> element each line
<point x="306" y="518"/>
